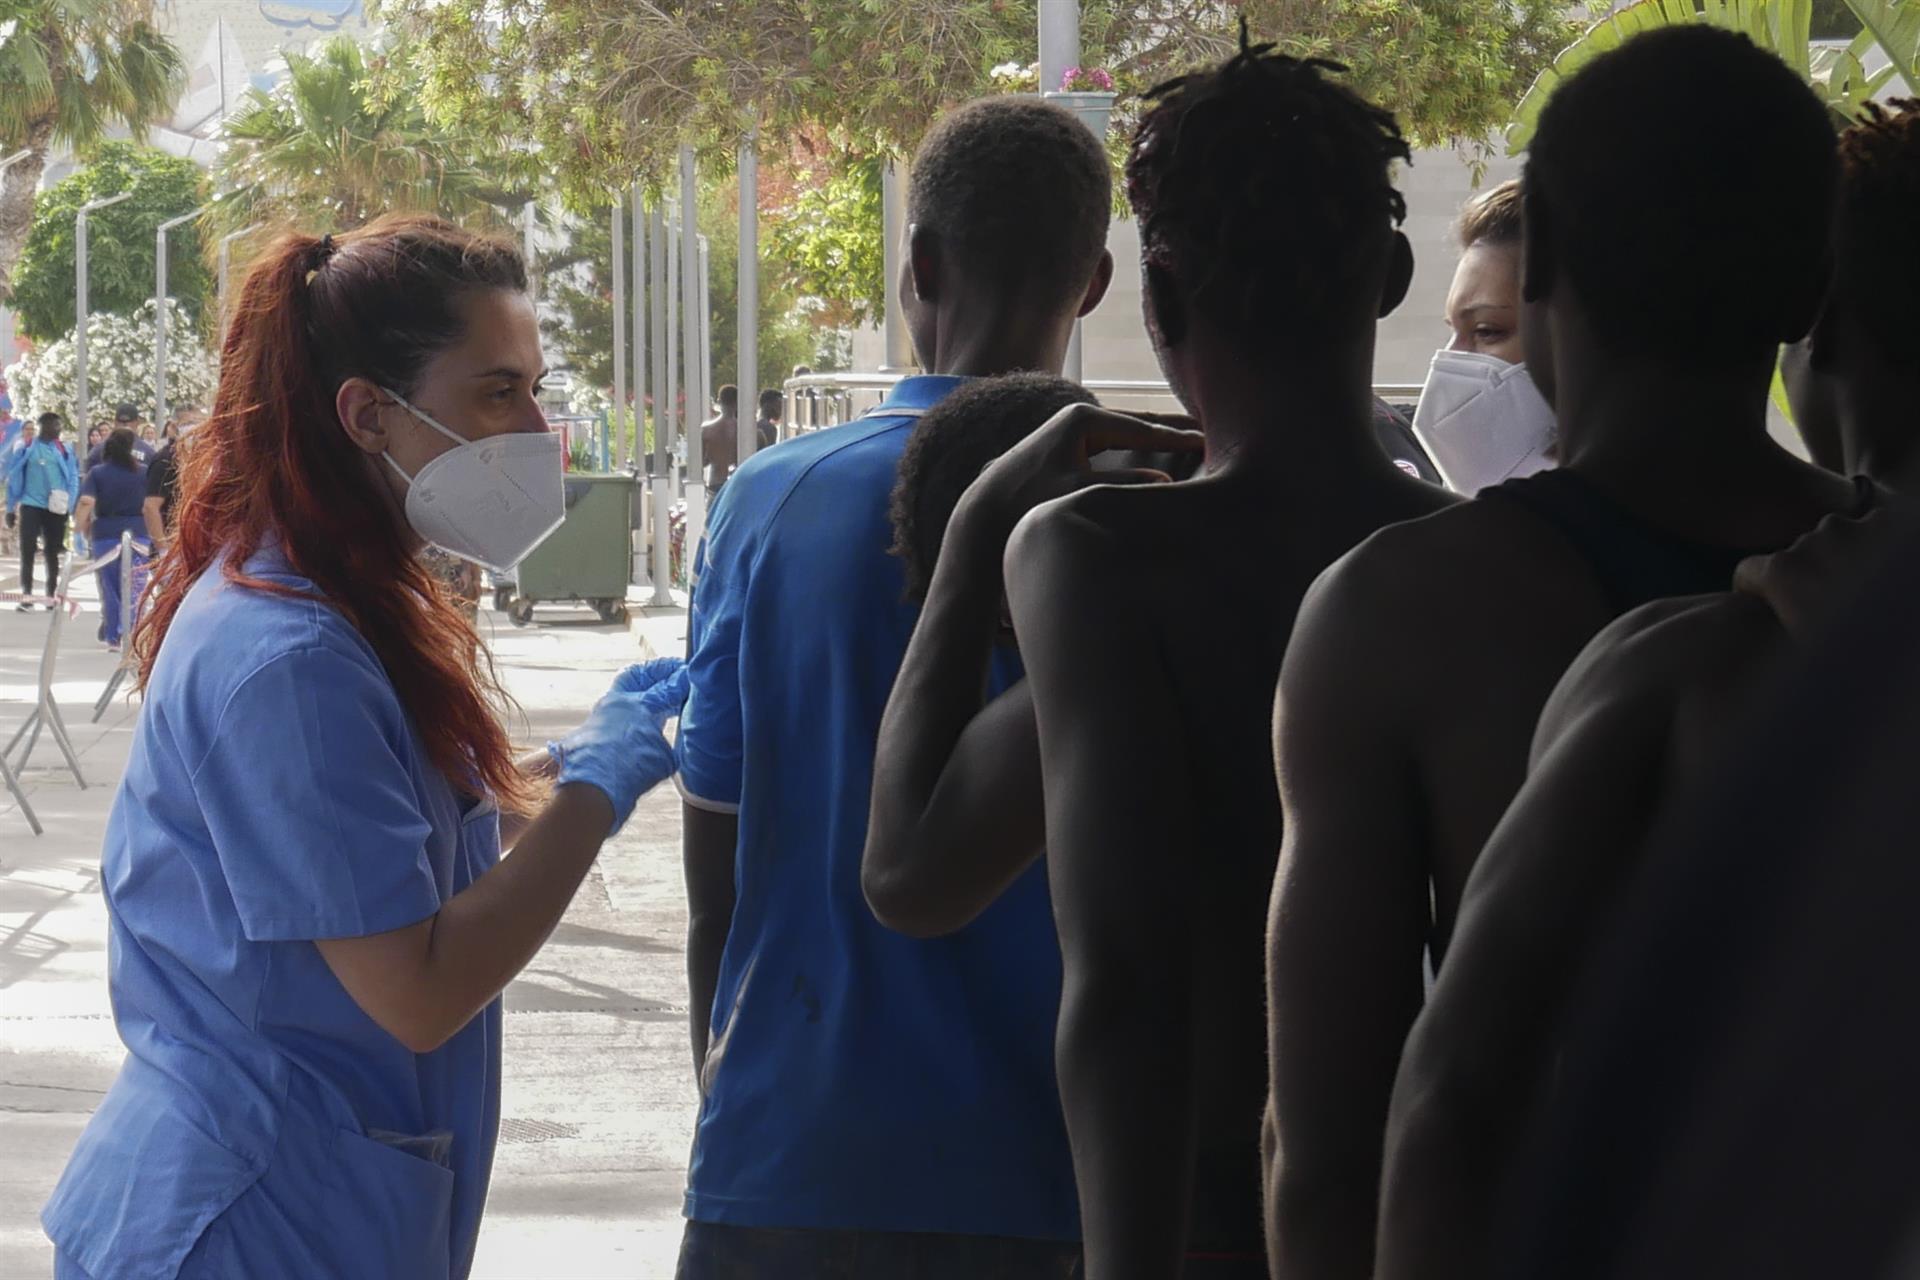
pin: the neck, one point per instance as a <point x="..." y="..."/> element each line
<point x="985" y="340"/>
<point x="1299" y="416"/>
<point x="1624" y="416"/>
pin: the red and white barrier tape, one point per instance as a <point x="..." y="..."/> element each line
<point x="54" y="602"/>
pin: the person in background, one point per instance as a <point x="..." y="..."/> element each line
<point x="773" y="407"/>
<point x="126" y="417"/>
<point x="1483" y="304"/>
<point x="42" y="481"/>
<point x="1668" y="478"/>
<point x="110" y="502"/>
<point x="310" y="920"/>
<point x="872" y="1105"/>
<point x="1854" y="382"/>
<point x="720" y="438"/>
<point x="163" y="475"/>
<point x="96" y="437"/>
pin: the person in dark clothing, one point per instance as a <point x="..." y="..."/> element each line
<point x="1393" y="783"/>
<point x="125" y="418"/>
<point x="773" y="407"/>
<point x="111" y="498"/>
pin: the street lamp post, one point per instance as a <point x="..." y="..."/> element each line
<point x="226" y="266"/>
<point x="80" y="306"/>
<point x="6" y="321"/>
<point x="748" y="321"/>
<point x="160" y="310"/>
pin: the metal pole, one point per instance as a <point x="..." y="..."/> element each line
<point x="616" y="423"/>
<point x="80" y="401"/>
<point x="1060" y="50"/>
<point x="690" y="315"/>
<point x="747" y="328"/>
<point x="662" y="459"/>
<point x="672" y="383"/>
<point x="899" y="355"/>
<point x="706" y="331"/>
<point x="639" y="297"/>
<point x="160" y="311"/>
<point x="226" y="265"/>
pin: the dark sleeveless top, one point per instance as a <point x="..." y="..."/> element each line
<point x="1634" y="562"/>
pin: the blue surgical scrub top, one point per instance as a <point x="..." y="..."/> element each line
<point x="858" y="1079"/>
<point x="262" y="1124"/>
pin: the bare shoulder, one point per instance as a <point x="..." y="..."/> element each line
<point x="1669" y="652"/>
<point x="1085" y="531"/>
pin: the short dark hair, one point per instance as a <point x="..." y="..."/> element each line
<point x="952" y="445"/>
<point x="1264" y="189"/>
<point x="50" y="424"/>
<point x="1876" y="255"/>
<point x="1019" y="192"/>
<point x="1492" y="217"/>
<point x="729" y="397"/>
<point x="1640" y="199"/>
<point x="773" y="402"/>
<point x="118" y="448"/>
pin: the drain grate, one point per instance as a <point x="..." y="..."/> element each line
<point x="516" y="1129"/>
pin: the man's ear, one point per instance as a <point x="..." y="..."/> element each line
<point x="359" y="404"/>
<point x="923" y="262"/>
<point x="1097" y="287"/>
<point x="1399" y="275"/>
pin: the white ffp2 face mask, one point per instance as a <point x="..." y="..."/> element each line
<point x="1482" y="421"/>
<point x="490" y="501"/>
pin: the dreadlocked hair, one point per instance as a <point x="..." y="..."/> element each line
<point x="1264" y="188"/>
<point x="1876" y="253"/>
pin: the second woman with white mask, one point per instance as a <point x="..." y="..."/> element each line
<point x="1480" y="417"/>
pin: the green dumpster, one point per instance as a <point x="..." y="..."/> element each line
<point x="589" y="558"/>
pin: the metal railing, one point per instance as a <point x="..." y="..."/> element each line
<point x="819" y="400"/>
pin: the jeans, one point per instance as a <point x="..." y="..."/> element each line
<point x="36" y="524"/>
<point x="711" y="1251"/>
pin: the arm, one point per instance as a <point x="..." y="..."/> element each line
<point x="156" y="526"/>
<point x="708" y="844"/>
<point x="958" y="810"/>
<point x="1477" y="1056"/>
<point x="83" y="516"/>
<point x="425" y="982"/>
<point x="1348" y="926"/>
<point x="1121" y="900"/>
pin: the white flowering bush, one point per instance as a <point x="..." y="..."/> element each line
<point x="119" y="367"/>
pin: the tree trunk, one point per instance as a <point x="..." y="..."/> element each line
<point x="17" y="189"/>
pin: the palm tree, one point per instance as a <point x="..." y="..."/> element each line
<point x="70" y="70"/>
<point x="333" y="147"/>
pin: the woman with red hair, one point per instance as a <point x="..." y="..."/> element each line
<point x="310" y="921"/>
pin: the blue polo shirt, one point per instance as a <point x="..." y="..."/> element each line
<point x="858" y="1079"/>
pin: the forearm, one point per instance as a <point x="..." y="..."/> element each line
<point x="156" y="528"/>
<point x="1126" y="1085"/>
<point x="487" y="933"/>
<point x="957" y="810"/>
<point x="708" y="844"/>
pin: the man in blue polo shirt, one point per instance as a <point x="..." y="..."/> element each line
<point x="873" y="1105"/>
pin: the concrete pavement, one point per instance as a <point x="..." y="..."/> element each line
<point x="598" y="1099"/>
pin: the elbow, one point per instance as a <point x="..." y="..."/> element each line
<point x="893" y="902"/>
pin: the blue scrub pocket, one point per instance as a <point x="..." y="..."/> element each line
<point x="396" y="1211"/>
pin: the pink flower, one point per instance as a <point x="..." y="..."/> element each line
<point x="1082" y="80"/>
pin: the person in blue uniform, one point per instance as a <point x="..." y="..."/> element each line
<point x="310" y="918"/>
<point x="110" y="500"/>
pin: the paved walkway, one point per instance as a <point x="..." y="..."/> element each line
<point x="599" y="1099"/>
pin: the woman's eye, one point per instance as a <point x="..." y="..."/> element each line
<point x="1490" y="335"/>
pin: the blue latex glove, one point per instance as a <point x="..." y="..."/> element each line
<point x="622" y="748"/>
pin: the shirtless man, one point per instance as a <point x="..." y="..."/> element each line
<point x="1422" y="661"/>
<point x="720" y="438"/>
<point x="1645" y="705"/>
<point x="1854" y="381"/>
<point x="1259" y="180"/>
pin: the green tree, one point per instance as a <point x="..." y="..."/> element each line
<point x="70" y="71"/>
<point x="120" y="241"/>
<point x="609" y="89"/>
<point x="329" y="149"/>
<point x="825" y="240"/>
